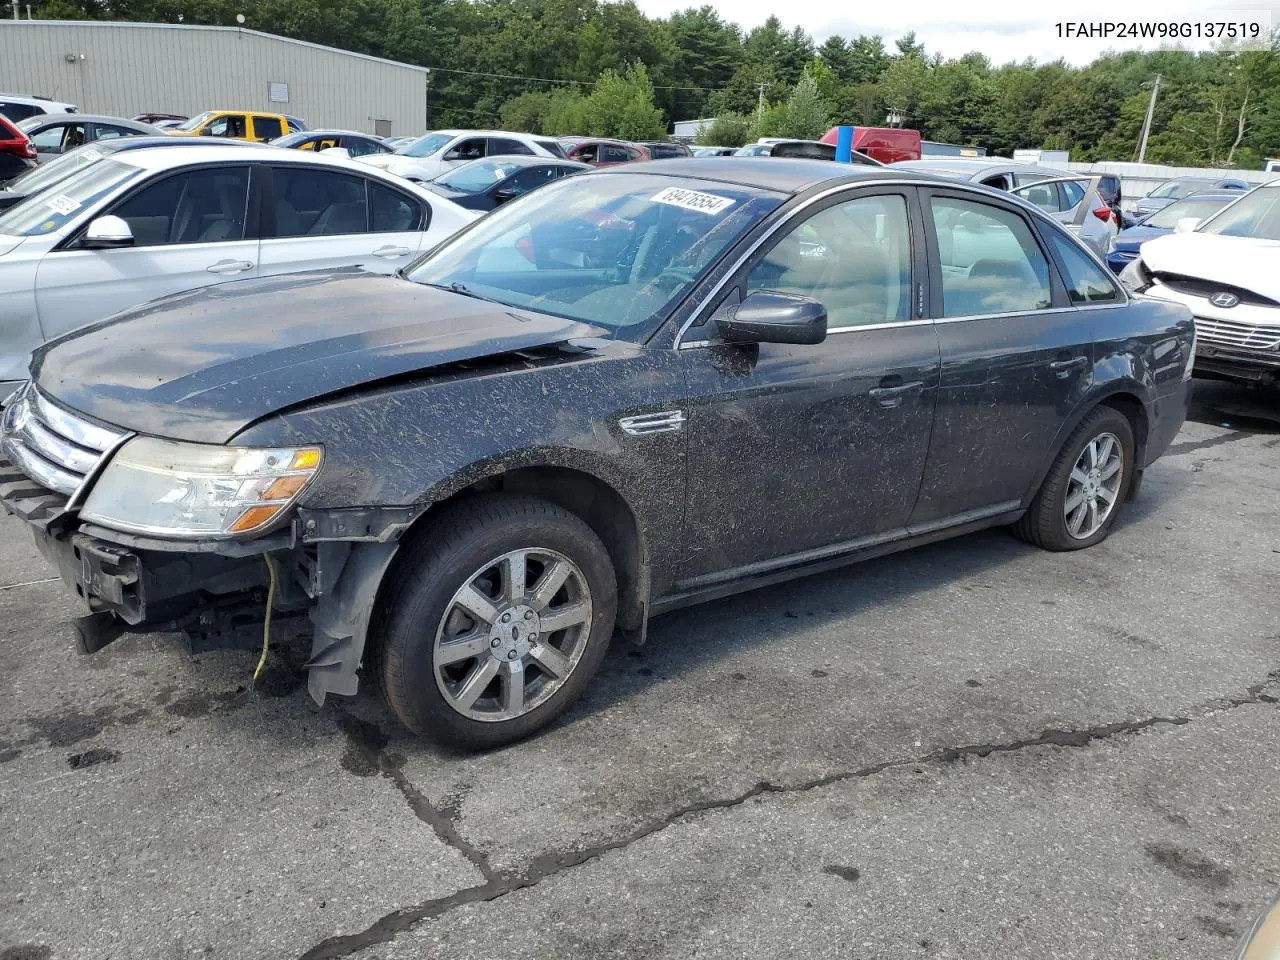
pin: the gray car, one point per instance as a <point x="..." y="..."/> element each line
<point x="1068" y="198"/>
<point x="1180" y="187"/>
<point x="53" y="134"/>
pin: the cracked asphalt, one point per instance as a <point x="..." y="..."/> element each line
<point x="973" y="749"/>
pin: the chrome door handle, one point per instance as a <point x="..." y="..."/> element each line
<point x="1062" y="368"/>
<point x="648" y="423"/>
<point x="230" y="266"/>
<point x="392" y="253"/>
<point x="889" y="397"/>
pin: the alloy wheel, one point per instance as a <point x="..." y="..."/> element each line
<point x="1094" y="486"/>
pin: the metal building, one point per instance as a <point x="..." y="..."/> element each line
<point x="124" y="69"/>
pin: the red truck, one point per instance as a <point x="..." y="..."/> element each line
<point x="886" y="144"/>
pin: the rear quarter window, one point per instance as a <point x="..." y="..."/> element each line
<point x="1086" y="281"/>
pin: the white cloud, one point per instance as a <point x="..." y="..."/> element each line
<point x="1004" y="30"/>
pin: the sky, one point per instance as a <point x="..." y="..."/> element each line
<point x="1004" y="30"/>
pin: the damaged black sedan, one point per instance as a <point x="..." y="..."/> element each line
<point x="624" y="393"/>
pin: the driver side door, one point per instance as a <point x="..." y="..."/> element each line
<point x="798" y="453"/>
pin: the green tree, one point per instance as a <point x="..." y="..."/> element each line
<point x="867" y="59"/>
<point x="807" y="114"/>
<point x="727" y="130"/>
<point x="621" y="105"/>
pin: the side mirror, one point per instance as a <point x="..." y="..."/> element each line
<point x="206" y="131"/>
<point x="774" y="318"/>
<point x="502" y="196"/>
<point x="108" y="233"/>
<point x="1186" y="225"/>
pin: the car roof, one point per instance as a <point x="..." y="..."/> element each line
<point x="523" y="160"/>
<point x="486" y="133"/>
<point x="329" y="133"/>
<point x="51" y="119"/>
<point x="781" y="175"/>
<point x="977" y="166"/>
<point x="1211" y="195"/>
<point x="199" y="152"/>
<point x="35" y="101"/>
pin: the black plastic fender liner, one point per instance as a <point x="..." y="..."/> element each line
<point x="341" y="619"/>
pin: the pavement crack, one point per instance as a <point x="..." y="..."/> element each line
<point x="367" y="755"/>
<point x="498" y="885"/>
<point x="1190" y="446"/>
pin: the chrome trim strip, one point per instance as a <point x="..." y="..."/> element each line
<point x="78" y="431"/>
<point x="53" y="448"/>
<point x="37" y="468"/>
<point x="648" y="423"/>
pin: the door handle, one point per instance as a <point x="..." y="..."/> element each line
<point x="890" y="397"/>
<point x="1063" y="368"/>
<point x="392" y="253"/>
<point x="230" y="266"/>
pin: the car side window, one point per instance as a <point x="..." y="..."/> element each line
<point x="529" y="179"/>
<point x="999" y="181"/>
<point x="615" y="154"/>
<point x="854" y="258"/>
<point x="1072" y="194"/>
<point x="49" y="139"/>
<point x="471" y="149"/>
<point x="267" y="128"/>
<point x="585" y="153"/>
<point x="360" y="147"/>
<point x="1086" y="281"/>
<point x="319" y="203"/>
<point x="1043" y="195"/>
<point x="502" y="147"/>
<point x="104" y="131"/>
<point x="196" y="206"/>
<point x="990" y="260"/>
<point x="390" y="211"/>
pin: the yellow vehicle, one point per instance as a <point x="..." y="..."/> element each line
<point x="236" y="124"/>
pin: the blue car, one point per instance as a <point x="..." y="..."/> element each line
<point x="1126" y="243"/>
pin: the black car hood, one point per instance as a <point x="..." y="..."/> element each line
<point x="204" y="365"/>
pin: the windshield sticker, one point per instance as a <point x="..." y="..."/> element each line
<point x="91" y="154"/>
<point x="693" y="200"/>
<point x="63" y="204"/>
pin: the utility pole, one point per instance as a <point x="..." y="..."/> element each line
<point x="1146" y="124"/>
<point x="760" y="108"/>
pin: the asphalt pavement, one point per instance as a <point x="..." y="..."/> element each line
<point x="975" y="749"/>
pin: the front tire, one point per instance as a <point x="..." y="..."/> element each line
<point x="495" y="621"/>
<point x="1080" y="498"/>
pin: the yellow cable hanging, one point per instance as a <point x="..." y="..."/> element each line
<point x="266" y="623"/>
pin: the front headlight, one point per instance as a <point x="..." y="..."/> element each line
<point x="1134" y="277"/>
<point x="189" y="490"/>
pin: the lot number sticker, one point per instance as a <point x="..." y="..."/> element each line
<point x="63" y="204"/>
<point x="693" y="200"/>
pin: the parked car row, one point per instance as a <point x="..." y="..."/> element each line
<point x="687" y="343"/>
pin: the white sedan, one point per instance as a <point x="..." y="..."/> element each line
<point x="1224" y="269"/>
<point x="148" y="223"/>
<point x="439" y="151"/>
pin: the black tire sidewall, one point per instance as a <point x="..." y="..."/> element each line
<point x="428" y="582"/>
<point x="1054" y="521"/>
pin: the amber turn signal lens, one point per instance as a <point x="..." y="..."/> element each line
<point x="285" y="487"/>
<point x="253" y="518"/>
<point x="307" y="459"/>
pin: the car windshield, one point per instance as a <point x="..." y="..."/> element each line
<point x="1255" y="214"/>
<point x="479" y="175"/>
<point x="615" y="250"/>
<point x="1198" y="207"/>
<point x="194" y="121"/>
<point x="56" y="170"/>
<point x="1176" y="189"/>
<point x="755" y="150"/>
<point x="425" y="146"/>
<point x="293" y="139"/>
<point x="26" y="125"/>
<point x="50" y="210"/>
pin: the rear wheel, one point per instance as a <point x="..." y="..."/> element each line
<point x="495" y="621"/>
<point x="1080" y="498"/>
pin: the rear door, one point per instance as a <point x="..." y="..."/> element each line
<point x="191" y="228"/>
<point x="1017" y="358"/>
<point x="319" y="218"/>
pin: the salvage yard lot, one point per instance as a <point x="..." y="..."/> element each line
<point x="974" y="749"/>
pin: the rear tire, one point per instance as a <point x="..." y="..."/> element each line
<point x="494" y="621"/>
<point x="1081" y="496"/>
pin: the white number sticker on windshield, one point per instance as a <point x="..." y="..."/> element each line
<point x="692" y="200"/>
<point x="63" y="204"/>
